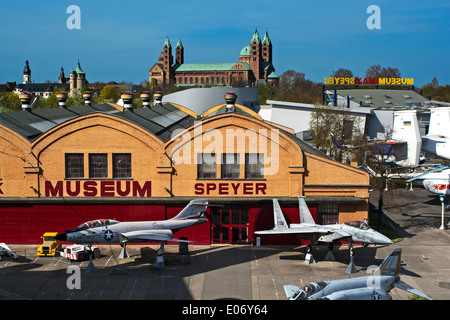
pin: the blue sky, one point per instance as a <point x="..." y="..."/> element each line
<point x="121" y="40"/>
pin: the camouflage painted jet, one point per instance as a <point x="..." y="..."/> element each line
<point x="374" y="287"/>
<point x="354" y="231"/>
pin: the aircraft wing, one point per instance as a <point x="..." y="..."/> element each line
<point x="150" y="235"/>
<point x="339" y="234"/>
<point x="299" y="230"/>
<point x="404" y="286"/>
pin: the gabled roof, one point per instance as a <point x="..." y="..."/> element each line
<point x="203" y="67"/>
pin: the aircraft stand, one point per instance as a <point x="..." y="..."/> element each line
<point x="160" y="257"/>
<point x="91" y="268"/>
<point x="351" y="266"/>
<point x="330" y="256"/>
<point x="124" y="254"/>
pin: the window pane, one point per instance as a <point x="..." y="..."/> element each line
<point x="74" y="165"/>
<point x="254" y="166"/>
<point x="244" y="215"/>
<point x="98" y="165"/>
<point x="225" y="215"/>
<point x="230" y="166"/>
<point x="122" y="165"/>
<point x="206" y="167"/>
<point x="234" y="215"/>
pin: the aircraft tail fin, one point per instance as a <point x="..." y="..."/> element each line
<point x="391" y="265"/>
<point x="193" y="209"/>
<point x="278" y="217"/>
<point x="305" y="214"/>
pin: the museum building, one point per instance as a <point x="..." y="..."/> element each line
<point x="63" y="166"/>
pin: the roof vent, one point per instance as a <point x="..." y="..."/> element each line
<point x="87" y="95"/>
<point x="62" y="97"/>
<point x="158" y="97"/>
<point x="230" y="98"/>
<point x="127" y="98"/>
<point x="25" y="99"/>
<point x="145" y="96"/>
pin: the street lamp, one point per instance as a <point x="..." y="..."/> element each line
<point x="442" y="198"/>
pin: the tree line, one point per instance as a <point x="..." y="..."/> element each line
<point x="294" y="87"/>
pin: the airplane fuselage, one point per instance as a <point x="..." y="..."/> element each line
<point x="110" y="234"/>
<point x="374" y="287"/>
<point x="367" y="236"/>
<point x="438" y="182"/>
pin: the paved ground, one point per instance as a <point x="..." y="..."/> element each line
<point x="239" y="272"/>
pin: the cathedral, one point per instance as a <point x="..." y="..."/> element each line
<point x="253" y="66"/>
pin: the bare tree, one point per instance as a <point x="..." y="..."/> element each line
<point x="342" y="73"/>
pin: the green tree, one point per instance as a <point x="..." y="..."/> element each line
<point x="9" y="101"/>
<point x="109" y="94"/>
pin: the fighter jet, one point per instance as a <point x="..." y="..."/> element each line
<point x="354" y="231"/>
<point x="374" y="287"/>
<point x="5" y="250"/>
<point x="108" y="231"/>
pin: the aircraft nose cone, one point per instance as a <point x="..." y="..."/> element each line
<point x="382" y="239"/>
<point x="61" y="236"/>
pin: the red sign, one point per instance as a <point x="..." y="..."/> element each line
<point x="104" y="188"/>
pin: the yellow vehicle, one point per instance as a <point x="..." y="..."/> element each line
<point x="49" y="247"/>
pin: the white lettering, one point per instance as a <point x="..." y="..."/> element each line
<point x="374" y="21"/>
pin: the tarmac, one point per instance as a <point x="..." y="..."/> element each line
<point x="245" y="272"/>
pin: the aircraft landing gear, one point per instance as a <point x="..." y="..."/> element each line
<point x="309" y="259"/>
<point x="160" y="256"/>
<point x="351" y="266"/>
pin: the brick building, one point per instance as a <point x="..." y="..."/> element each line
<point x="254" y="65"/>
<point x="60" y="167"/>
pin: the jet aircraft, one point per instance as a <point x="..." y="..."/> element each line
<point x="108" y="231"/>
<point x="374" y="287"/>
<point x="354" y="231"/>
<point x="5" y="250"/>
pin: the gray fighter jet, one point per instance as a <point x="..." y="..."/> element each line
<point x="354" y="231"/>
<point x="108" y="231"/>
<point x="374" y="287"/>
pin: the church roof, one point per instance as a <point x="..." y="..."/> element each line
<point x="266" y="38"/>
<point x="206" y="66"/>
<point x="256" y="37"/>
<point x="245" y="51"/>
<point x="78" y="69"/>
<point x="167" y="43"/>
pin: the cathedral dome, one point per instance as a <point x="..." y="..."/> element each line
<point x="245" y="51"/>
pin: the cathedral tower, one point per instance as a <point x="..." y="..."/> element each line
<point x="255" y="55"/>
<point x="179" y="55"/>
<point x="27" y="73"/>
<point x="267" y="48"/>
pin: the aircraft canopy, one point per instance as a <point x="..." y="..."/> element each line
<point x="309" y="290"/>
<point x="96" y="223"/>
<point x="358" y="224"/>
